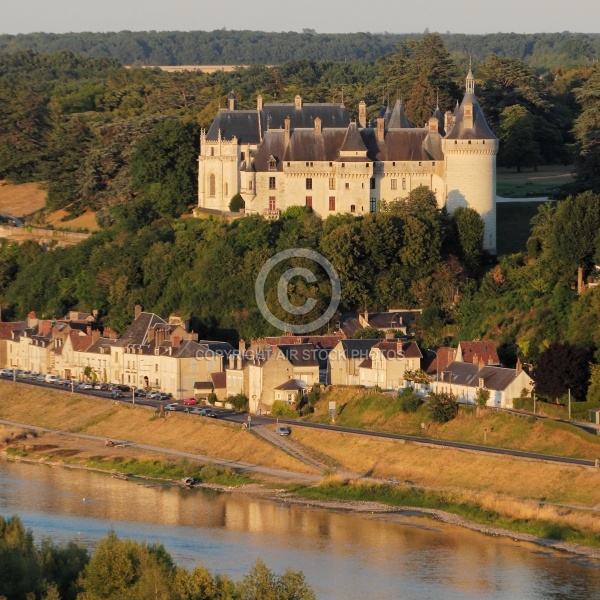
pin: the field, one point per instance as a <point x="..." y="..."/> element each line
<point x="532" y="184"/>
<point x="21" y="201"/>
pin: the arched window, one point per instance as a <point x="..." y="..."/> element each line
<point x="226" y="190"/>
<point x="211" y="185"/>
<point x="272" y="164"/>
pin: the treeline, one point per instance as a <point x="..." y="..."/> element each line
<point x="98" y="134"/>
<point x="541" y="51"/>
<point x="121" y="570"/>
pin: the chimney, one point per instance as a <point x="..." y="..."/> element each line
<point x="175" y="341"/>
<point x="519" y="366"/>
<point x="95" y="314"/>
<point x="231" y="361"/>
<point x="366" y="316"/>
<point x="242" y="347"/>
<point x="448" y="121"/>
<point x="150" y="334"/>
<point x="362" y="114"/>
<point x="380" y="129"/>
<point x="95" y="336"/>
<point x="318" y="126"/>
<point x="138" y="311"/>
<point x="287" y="131"/>
<point x="88" y="330"/>
<point x="389" y="335"/>
<point x="399" y="349"/>
<point x="298" y="102"/>
<point x="46" y="327"/>
<point x="433" y="125"/>
<point x="475" y="361"/>
<point x="259" y="102"/>
<point x="481" y="363"/>
<point x="468" y="115"/>
<point x="32" y="319"/>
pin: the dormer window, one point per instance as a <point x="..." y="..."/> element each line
<point x="272" y="164"/>
<point x="481" y="382"/>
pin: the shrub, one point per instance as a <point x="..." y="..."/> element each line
<point x="282" y="409"/>
<point x="409" y="401"/>
<point x="236" y="203"/>
<point x="240" y="402"/>
<point x="443" y="407"/>
<point x="212" y="398"/>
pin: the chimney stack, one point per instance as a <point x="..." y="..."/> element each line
<point x="318" y="126"/>
<point x="298" y="102"/>
<point x="380" y="129"/>
<point x="362" y="114"/>
<point x="519" y="366"/>
<point x="138" y="311"/>
<point x="259" y="102"/>
<point x="242" y="347"/>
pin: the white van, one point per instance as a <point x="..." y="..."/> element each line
<point x="52" y="378"/>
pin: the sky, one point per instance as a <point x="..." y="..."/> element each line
<point x="332" y="16"/>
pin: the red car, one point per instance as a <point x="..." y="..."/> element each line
<point x="190" y="401"/>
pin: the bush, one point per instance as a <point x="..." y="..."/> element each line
<point x="236" y="203"/>
<point x="212" y="398"/>
<point x="409" y="401"/>
<point x="240" y="402"/>
<point x="443" y="407"/>
<point x="282" y="409"/>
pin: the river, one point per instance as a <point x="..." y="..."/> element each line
<point x="342" y="555"/>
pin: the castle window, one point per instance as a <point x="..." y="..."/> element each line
<point x="243" y="156"/>
<point x="394" y="184"/>
<point x="331" y="202"/>
<point x="212" y="151"/>
<point x="331" y="164"/>
<point x="309" y="201"/>
<point x="272" y="164"/>
<point x="250" y="184"/>
<point x="288" y="164"/>
<point x="404" y="183"/>
<point x="469" y="142"/>
<point x="352" y="208"/>
<point x="347" y="186"/>
<point x="332" y="183"/>
<point x="272" y="202"/>
<point x="211" y="185"/>
<point x="372" y="183"/>
<point x="367" y="165"/>
<point x="309" y="183"/>
<point x="272" y="183"/>
<point x="393" y="164"/>
<point x="420" y="164"/>
<point x="373" y="205"/>
<point x="343" y="165"/>
<point x="226" y="190"/>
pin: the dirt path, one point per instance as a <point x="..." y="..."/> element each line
<point x="275" y="473"/>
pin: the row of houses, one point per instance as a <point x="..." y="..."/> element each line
<point x="164" y="355"/>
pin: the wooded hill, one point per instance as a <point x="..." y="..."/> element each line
<point x="541" y="51"/>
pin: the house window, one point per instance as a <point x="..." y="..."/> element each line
<point x="272" y="164"/>
<point x="394" y="184"/>
<point x="309" y="201"/>
<point x="352" y="208"/>
<point x="309" y="183"/>
<point x="404" y="183"/>
<point x="331" y="202"/>
<point x="343" y="165"/>
<point x="271" y="202"/>
<point x="373" y="205"/>
<point x="243" y="156"/>
<point x="347" y="186"/>
<point x="332" y="183"/>
<point x="271" y="183"/>
<point x="211" y="185"/>
<point x="156" y="368"/>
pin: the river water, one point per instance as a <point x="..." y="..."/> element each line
<point x="343" y="555"/>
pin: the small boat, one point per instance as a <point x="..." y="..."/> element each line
<point x="188" y="481"/>
<point x="118" y="475"/>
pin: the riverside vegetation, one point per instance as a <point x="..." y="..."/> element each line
<point x="543" y="499"/>
<point x="122" y="570"/>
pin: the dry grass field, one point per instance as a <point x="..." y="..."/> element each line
<point x="21" y="200"/>
<point x="76" y="413"/>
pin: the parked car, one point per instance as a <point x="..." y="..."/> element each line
<point x="196" y="410"/>
<point x="208" y="412"/>
<point x="190" y="401"/>
<point x="171" y="407"/>
<point x="139" y="392"/>
<point x="87" y="386"/>
<point x="116" y="394"/>
<point x="282" y="430"/>
<point x="162" y="396"/>
<point x="151" y="394"/>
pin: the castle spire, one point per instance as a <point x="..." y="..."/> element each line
<point x="470" y="82"/>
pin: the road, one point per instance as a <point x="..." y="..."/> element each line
<point x="258" y="420"/>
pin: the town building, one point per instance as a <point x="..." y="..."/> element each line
<point x="312" y="154"/>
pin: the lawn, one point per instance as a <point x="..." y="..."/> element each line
<point x="532" y="184"/>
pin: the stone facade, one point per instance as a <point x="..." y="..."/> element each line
<point x="283" y="155"/>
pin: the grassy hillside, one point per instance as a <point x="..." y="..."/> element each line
<point x="362" y="409"/>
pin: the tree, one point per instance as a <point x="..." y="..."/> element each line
<point x="482" y="396"/>
<point x="409" y="401"/>
<point x="236" y="203"/>
<point x="562" y="367"/>
<point x="443" y="407"/>
<point x="469" y="231"/>
<point x="519" y="147"/>
<point x="262" y="584"/>
<point x="368" y="333"/>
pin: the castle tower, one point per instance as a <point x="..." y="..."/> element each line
<point x="470" y="150"/>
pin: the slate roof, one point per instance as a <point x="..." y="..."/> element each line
<point x="480" y="131"/>
<point x="468" y="375"/>
<point x="300" y="355"/>
<point x="292" y="385"/>
<point x="441" y="360"/>
<point x="219" y="380"/>
<point x="389" y="320"/>
<point x="352" y="140"/>
<point x="397" y="118"/>
<point x="203" y="385"/>
<point x="137" y="333"/>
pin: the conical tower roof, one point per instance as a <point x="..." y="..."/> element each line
<point x="398" y="118"/>
<point x="353" y="141"/>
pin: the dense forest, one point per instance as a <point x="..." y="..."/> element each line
<point x="123" y="142"/>
<point x="124" y="570"/>
<point x="540" y="51"/>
